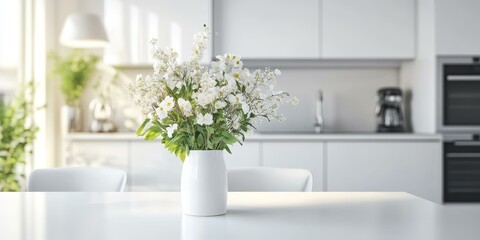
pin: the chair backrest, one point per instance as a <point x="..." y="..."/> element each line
<point x="77" y="180"/>
<point x="264" y="179"/>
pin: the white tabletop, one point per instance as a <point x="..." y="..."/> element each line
<point x="142" y="216"/>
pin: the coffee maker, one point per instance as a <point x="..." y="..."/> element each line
<point x="389" y="110"/>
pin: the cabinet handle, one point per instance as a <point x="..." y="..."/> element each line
<point x="467" y="143"/>
<point x="463" y="155"/>
<point x="463" y="78"/>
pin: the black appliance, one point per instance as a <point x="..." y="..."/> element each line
<point x="459" y="95"/>
<point x="389" y="110"/>
<point x="461" y="171"/>
<point x="459" y="122"/>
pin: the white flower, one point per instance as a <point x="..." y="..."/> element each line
<point x="206" y="119"/>
<point x="171" y="129"/>
<point x="202" y="100"/>
<point x="236" y="125"/>
<point x="185" y="106"/>
<point x="179" y="84"/>
<point x="161" y="113"/>
<point x="207" y="81"/>
<point x="245" y="108"/>
<point x="167" y="104"/>
<point x="232" y="99"/>
<point x="220" y="104"/>
<point x="194" y="92"/>
<point x="231" y="80"/>
<point x="169" y="80"/>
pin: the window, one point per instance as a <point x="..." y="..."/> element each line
<point x="9" y="45"/>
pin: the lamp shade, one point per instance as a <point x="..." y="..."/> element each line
<point x="83" y="30"/>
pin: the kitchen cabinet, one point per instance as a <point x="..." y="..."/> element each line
<point x="457" y="30"/>
<point x="413" y="167"/>
<point x="131" y="24"/>
<point x="315" y="29"/>
<point x="338" y="162"/>
<point x="305" y="155"/>
<point x="368" y="29"/>
<point x="267" y="29"/>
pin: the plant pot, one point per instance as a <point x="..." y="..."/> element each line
<point x="72" y="118"/>
<point x="204" y="184"/>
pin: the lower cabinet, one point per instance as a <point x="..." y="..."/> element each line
<point x="413" y="167"/>
<point x="306" y="155"/>
<point x="374" y="166"/>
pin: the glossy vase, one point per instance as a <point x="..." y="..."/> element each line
<point x="204" y="183"/>
<point x="72" y="118"/>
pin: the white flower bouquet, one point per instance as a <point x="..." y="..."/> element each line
<point x="195" y="107"/>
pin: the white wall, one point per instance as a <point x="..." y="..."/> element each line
<point x="349" y="97"/>
<point x="418" y="77"/>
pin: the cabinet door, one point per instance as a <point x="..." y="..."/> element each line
<point x="130" y="24"/>
<point x="457" y="30"/>
<point x="368" y="29"/>
<point x="154" y="168"/>
<point x="267" y="29"/>
<point x="305" y="155"/>
<point x="413" y="167"/>
<point x="246" y="155"/>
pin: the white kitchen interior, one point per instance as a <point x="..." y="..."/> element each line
<point x="344" y="60"/>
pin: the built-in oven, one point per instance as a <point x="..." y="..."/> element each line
<point x="459" y="95"/>
<point x="461" y="171"/>
<point x="459" y="121"/>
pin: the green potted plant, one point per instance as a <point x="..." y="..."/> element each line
<point x="17" y="132"/>
<point x="74" y="71"/>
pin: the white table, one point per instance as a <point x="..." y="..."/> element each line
<point x="316" y="215"/>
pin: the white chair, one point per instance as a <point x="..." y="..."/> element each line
<point x="264" y="179"/>
<point x="77" y="180"/>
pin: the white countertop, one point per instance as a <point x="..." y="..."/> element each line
<point x="281" y="136"/>
<point x="314" y="215"/>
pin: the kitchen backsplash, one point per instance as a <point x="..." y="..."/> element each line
<point x="348" y="97"/>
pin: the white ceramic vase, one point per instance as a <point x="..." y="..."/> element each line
<point x="71" y="118"/>
<point x="204" y="183"/>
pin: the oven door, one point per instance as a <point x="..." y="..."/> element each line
<point x="461" y="171"/>
<point x="459" y="108"/>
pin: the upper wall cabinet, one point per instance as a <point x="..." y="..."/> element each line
<point x="267" y="29"/>
<point x="457" y="27"/>
<point x="130" y="25"/>
<point x="368" y="29"/>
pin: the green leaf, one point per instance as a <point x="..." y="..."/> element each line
<point x="183" y="155"/>
<point x="200" y="140"/>
<point x="216" y="140"/>
<point x="140" y="129"/>
<point x="228" y="149"/>
<point x="153" y="132"/>
<point x="152" y="135"/>
<point x="229" y="138"/>
<point x="210" y="130"/>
